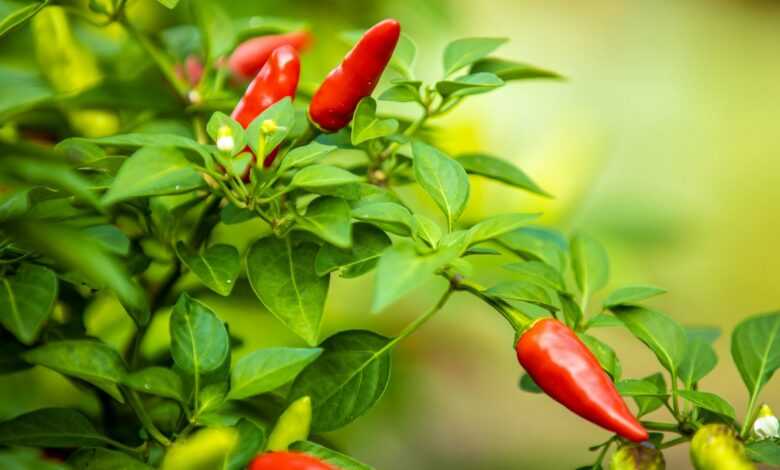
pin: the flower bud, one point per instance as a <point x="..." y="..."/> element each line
<point x="637" y="457"/>
<point x="194" y="97"/>
<point x="716" y="447"/>
<point x="268" y="126"/>
<point x="766" y="426"/>
<point x="225" y="142"/>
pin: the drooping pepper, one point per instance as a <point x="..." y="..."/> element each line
<point x="335" y="100"/>
<point x="716" y="447"/>
<point x="567" y="371"/>
<point x="292" y="425"/>
<point x="276" y="80"/>
<point x="287" y="461"/>
<point x="249" y="57"/>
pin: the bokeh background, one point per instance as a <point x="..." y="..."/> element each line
<point x="663" y="142"/>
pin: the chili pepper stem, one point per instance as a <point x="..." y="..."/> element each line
<point x="519" y="321"/>
<point x="665" y="427"/>
<point x="674" y="442"/>
<point x="138" y="407"/>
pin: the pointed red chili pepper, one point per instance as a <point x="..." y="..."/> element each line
<point x="567" y="371"/>
<point x="249" y="57"/>
<point x="287" y="461"/>
<point x="276" y="80"/>
<point x="335" y="100"/>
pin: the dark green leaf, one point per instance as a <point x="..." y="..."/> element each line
<point x="442" y="178"/>
<point x="329" y="218"/>
<point x="217" y="267"/>
<point x="110" y="238"/>
<point x="367" y="126"/>
<point x="631" y="294"/>
<point x="51" y="427"/>
<point x="388" y="216"/>
<point x="700" y="360"/>
<point x="251" y="441"/>
<point x="466" y="51"/>
<point x="199" y="340"/>
<point x="590" y="263"/>
<point x="304" y="156"/>
<point x="157" y="381"/>
<point x="26" y="300"/>
<point x="766" y="451"/>
<point x="267" y="369"/>
<point x="640" y="388"/>
<point x="709" y="401"/>
<point x="510" y="70"/>
<point x="346" y="380"/>
<point x="23" y="458"/>
<point x="367" y="246"/>
<point x="527" y="384"/>
<point x="323" y="179"/>
<point x="104" y="459"/>
<point x="284" y="279"/>
<point x="755" y="348"/>
<point x="572" y="313"/>
<point x="52" y="174"/>
<point x="660" y="333"/>
<point x="605" y="355"/>
<point x="469" y="85"/>
<point x="330" y="456"/>
<point x="648" y="404"/>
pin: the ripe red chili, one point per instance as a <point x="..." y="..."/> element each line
<point x="335" y="100"/>
<point x="287" y="461"/>
<point x="276" y="80"/>
<point x="250" y="56"/>
<point x="567" y="371"/>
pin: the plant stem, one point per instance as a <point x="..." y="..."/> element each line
<point x="146" y="421"/>
<point x="518" y="320"/>
<point x="666" y="427"/>
<point x="417" y="323"/>
<point x="749" y="414"/>
<point x="674" y="442"/>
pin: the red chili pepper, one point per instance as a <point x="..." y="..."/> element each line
<point x="250" y="56"/>
<point x="276" y="80"/>
<point x="567" y="371"/>
<point x="287" y="461"/>
<point x="335" y="100"/>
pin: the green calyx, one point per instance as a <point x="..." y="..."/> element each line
<point x="716" y="447"/>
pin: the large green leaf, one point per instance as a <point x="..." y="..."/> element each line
<point x="631" y="294"/>
<point x="510" y="70"/>
<point x="104" y="459"/>
<point x="88" y="360"/>
<point x="650" y="403"/>
<point x="304" y="156"/>
<point x="367" y="126"/>
<point x="157" y="381"/>
<point x="368" y="244"/>
<point x="538" y="273"/>
<point x="199" y="340"/>
<point x="283" y="277"/>
<point x="51" y="427"/>
<point x="26" y="300"/>
<point x="496" y="226"/>
<point x="153" y="171"/>
<point x="665" y="337"/>
<point x="710" y="402"/>
<point x="217" y="266"/>
<point x="469" y="85"/>
<point x="466" y="51"/>
<point x="534" y="243"/>
<point x="346" y="380"/>
<point x="590" y="263"/>
<point x="755" y="348"/>
<point x="700" y="360"/>
<point x="443" y="178"/>
<point x="329" y="218"/>
<point x="267" y="369"/>
<point x="766" y="451"/>
<point x="521" y="291"/>
<point x="388" y="216"/>
<point x="640" y="388"/>
<point x="330" y="456"/>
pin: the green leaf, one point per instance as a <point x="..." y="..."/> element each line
<point x="463" y="52"/>
<point x="648" y="404"/>
<point x="527" y="384"/>
<point x="304" y="156"/>
<point x="329" y="218"/>
<point x="404" y="55"/>
<point x="170" y="4"/>
<point x="153" y="171"/>
<point x="26" y="300"/>
<point x="104" y="459"/>
<point x="13" y="13"/>
<point x="572" y="313"/>
<point x="605" y="355"/>
<point x="631" y="294"/>
<point x="590" y="263"/>
<point x="661" y="334"/>
<point x="365" y="124"/>
<point x="640" y="388"/>
<point x="88" y="360"/>
<point x="251" y="441"/>
<point x="710" y="402"/>
<point x="157" y="381"/>
<point x="217" y="267"/>
<point x="51" y="427"/>
<point x="368" y="244"/>
<point x="220" y="120"/>
<point x="215" y="26"/>
<point x="323" y="179"/>
<point x="469" y="85"/>
<point x="603" y="320"/>
<point x="538" y="273"/>
<point x="282" y="114"/>
<point x="766" y="451"/>
<point x="700" y="360"/>
<point x="401" y="93"/>
<point x="533" y="243"/>
<point x="329" y="456"/>
<point x="442" y="178"/>
<point x="199" y="340"/>
<point x="283" y="278"/>
<point x="426" y="230"/>
<point x="510" y="70"/>
<point x="268" y="369"/>
<point x="388" y="216"/>
<point x="148" y="140"/>
<point x="25" y="458"/>
<point x="346" y="380"/>
<point x="51" y="174"/>
<point x="496" y="226"/>
<point x="522" y="291"/>
<point x="755" y="348"/>
<point x="110" y="239"/>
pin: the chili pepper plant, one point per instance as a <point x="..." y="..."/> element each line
<point x="116" y="189"/>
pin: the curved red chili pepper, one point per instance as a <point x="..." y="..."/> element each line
<point x="567" y="371"/>
<point x="335" y="100"/>
<point x="249" y="57"/>
<point x="287" y="461"/>
<point x="276" y="80"/>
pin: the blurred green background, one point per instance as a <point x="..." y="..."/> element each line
<point x="664" y="143"/>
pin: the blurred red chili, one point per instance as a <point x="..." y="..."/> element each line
<point x="287" y="461"/>
<point x="191" y="70"/>
<point x="335" y="100"/>
<point x="567" y="371"/>
<point x="276" y="80"/>
<point x="250" y="56"/>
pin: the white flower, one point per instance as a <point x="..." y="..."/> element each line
<point x="194" y="96"/>
<point x="226" y="143"/>
<point x="767" y="425"/>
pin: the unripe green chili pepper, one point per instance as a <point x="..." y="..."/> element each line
<point x="249" y="57"/>
<point x="276" y="80"/>
<point x="637" y="457"/>
<point x="716" y="447"/>
<point x="293" y="425"/>
<point x="287" y="461"/>
<point x="70" y="67"/>
<point x="567" y="371"/>
<point x="334" y="102"/>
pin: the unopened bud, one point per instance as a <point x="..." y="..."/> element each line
<point x="225" y="142"/>
<point x="766" y="426"/>
<point x="268" y="126"/>
<point x="194" y="97"/>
